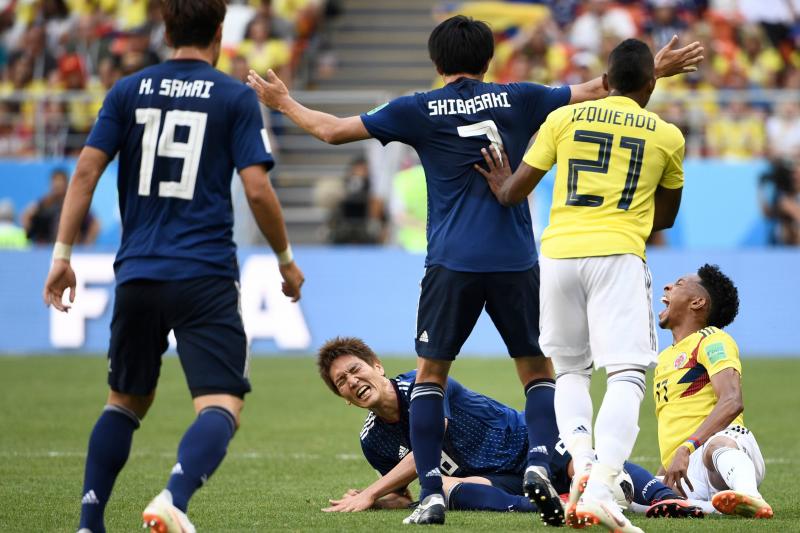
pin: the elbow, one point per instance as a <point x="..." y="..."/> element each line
<point x="331" y="135"/>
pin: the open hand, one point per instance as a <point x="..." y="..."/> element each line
<point x="670" y="62"/>
<point x="353" y="501"/>
<point x="499" y="169"/>
<point x="271" y="92"/>
<point x="60" y="278"/>
<point x="678" y="471"/>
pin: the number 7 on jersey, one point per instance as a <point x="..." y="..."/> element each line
<point x="486" y="127"/>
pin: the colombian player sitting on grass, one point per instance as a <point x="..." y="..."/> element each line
<point x="704" y="444"/>
<point x="485" y="445"/>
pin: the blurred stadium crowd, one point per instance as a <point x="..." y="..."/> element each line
<point x="59" y="57"/>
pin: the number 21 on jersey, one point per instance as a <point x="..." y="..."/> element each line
<point x="165" y="145"/>
<point x="605" y="142"/>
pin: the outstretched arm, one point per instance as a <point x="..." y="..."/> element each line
<point x="509" y="188"/>
<point x="668" y="62"/>
<point x="328" y="128"/>
<point x="398" y="477"/>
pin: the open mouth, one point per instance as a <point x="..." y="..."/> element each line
<point x="663" y="313"/>
<point x="362" y="392"/>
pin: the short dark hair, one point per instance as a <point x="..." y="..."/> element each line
<point x="630" y="66"/>
<point x="461" y="44"/>
<point x="338" y="347"/>
<point x="192" y="22"/>
<point x="724" y="305"/>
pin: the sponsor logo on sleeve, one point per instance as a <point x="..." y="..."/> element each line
<point x="716" y="352"/>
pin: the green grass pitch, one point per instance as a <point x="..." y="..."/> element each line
<point x="299" y="446"/>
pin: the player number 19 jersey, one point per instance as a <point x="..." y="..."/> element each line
<point x="180" y="128"/>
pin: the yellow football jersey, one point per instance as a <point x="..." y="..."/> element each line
<point x="682" y="385"/>
<point x="611" y="156"/>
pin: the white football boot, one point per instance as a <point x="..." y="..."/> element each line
<point x="163" y="517"/>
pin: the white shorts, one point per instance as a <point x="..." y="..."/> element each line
<point x="698" y="473"/>
<point x="597" y="310"/>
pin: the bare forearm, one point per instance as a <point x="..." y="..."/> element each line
<point x="76" y="205"/>
<point x="725" y="412"/>
<point x="668" y="202"/>
<point x="663" y="220"/>
<point x="324" y="126"/>
<point x="398" y="477"/>
<point x="590" y="90"/>
<point x="521" y="183"/>
<point x="267" y="211"/>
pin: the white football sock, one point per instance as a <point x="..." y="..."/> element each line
<point x="736" y="469"/>
<point x="573" y="406"/>
<point x="616" y="429"/>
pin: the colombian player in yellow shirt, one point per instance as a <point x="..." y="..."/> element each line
<point x="704" y="444"/>
<point x="619" y="177"/>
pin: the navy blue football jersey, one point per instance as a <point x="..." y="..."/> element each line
<point x="180" y="128"/>
<point x="483" y="436"/>
<point x="468" y="230"/>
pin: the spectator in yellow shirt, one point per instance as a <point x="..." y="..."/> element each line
<point x="736" y="133"/>
<point x="263" y="52"/>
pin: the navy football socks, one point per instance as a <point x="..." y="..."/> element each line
<point x="540" y="417"/>
<point x="426" y="417"/>
<point x="200" y="452"/>
<point x="475" y="497"/>
<point x="646" y="489"/>
<point x="109" y="447"/>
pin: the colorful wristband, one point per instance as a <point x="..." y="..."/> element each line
<point x="285" y="257"/>
<point x="62" y="251"/>
<point x="692" y="443"/>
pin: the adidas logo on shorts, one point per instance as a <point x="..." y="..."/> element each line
<point x="423" y="337"/>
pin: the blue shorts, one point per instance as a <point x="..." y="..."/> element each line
<point x="203" y="313"/>
<point x="450" y="303"/>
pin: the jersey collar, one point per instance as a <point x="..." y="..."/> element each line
<point x="623" y="101"/>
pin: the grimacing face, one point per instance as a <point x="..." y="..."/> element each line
<point x="357" y="381"/>
<point x="680" y="297"/>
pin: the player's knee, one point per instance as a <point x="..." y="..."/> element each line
<point x="534" y="368"/>
<point x="432" y="371"/>
<point x="712" y="446"/>
<point x="135" y="404"/>
<point x="632" y="375"/>
<point x="581" y="373"/>
<point x="226" y="403"/>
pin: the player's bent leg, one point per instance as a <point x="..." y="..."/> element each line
<point x="109" y="447"/>
<point x="726" y="462"/>
<point x="478" y="494"/>
<point x="656" y="500"/>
